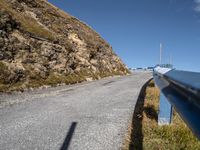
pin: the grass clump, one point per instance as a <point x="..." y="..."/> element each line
<point x="145" y="132"/>
<point x="4" y="73"/>
<point x="33" y="27"/>
<point x="5" y="84"/>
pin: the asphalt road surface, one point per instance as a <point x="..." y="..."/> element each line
<point x="93" y="115"/>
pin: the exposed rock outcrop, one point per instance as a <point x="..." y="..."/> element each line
<point x="42" y="45"/>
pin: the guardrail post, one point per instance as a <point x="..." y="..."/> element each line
<point x="165" y="111"/>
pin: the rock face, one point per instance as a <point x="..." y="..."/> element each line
<point x="42" y="45"/>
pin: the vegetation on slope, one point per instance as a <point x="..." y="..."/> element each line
<point x="28" y="23"/>
<point x="42" y="45"/>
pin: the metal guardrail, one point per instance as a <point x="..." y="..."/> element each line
<point x="181" y="90"/>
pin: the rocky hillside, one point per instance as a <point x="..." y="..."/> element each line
<point x="42" y="45"/>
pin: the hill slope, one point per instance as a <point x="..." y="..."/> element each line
<point x="42" y="45"/>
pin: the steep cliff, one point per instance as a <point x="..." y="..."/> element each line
<point x="42" y="45"/>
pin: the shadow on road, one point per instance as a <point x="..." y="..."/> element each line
<point x="137" y="135"/>
<point x="69" y="136"/>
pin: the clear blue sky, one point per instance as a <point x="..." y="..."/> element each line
<point x="135" y="28"/>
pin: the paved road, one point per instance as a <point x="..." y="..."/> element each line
<point x="91" y="115"/>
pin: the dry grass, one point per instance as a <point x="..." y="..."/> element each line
<point x="53" y="79"/>
<point x="28" y="23"/>
<point x="4" y="73"/>
<point x="148" y="135"/>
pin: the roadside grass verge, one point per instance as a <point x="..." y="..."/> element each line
<point x="35" y="80"/>
<point x="144" y="132"/>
